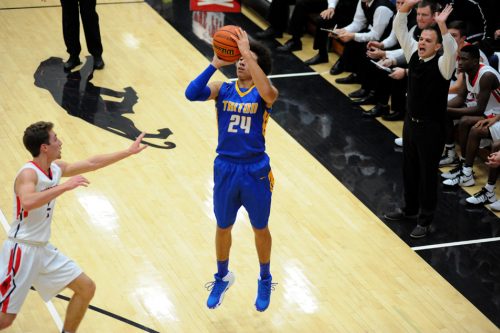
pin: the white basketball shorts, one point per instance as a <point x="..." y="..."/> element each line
<point x="23" y="266"/>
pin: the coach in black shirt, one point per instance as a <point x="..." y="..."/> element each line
<point x="423" y="131"/>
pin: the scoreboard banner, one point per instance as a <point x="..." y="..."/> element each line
<point x="232" y="6"/>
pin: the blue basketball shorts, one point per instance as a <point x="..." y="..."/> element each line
<point x="242" y="184"/>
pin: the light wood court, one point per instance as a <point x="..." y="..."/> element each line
<point x="144" y="228"/>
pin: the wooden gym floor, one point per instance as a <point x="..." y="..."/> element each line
<point x="143" y="229"/>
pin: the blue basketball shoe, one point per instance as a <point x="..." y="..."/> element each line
<point x="264" y="293"/>
<point x="218" y="289"/>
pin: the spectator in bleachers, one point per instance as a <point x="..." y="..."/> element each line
<point x="279" y="10"/>
<point x="372" y="79"/>
<point x="298" y="22"/>
<point x="388" y="85"/>
<point x="372" y="22"/>
<point x="339" y="13"/>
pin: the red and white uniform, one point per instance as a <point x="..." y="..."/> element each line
<point x="493" y="106"/>
<point x="34" y="226"/>
<point x="27" y="259"/>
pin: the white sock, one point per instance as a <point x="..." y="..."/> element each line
<point x="467" y="170"/>
<point x="489" y="187"/>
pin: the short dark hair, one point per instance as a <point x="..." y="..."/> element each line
<point x="435" y="28"/>
<point x="472" y="50"/>
<point x="35" y="135"/>
<point x="458" y="25"/>
<point x="434" y="6"/>
<point x="264" y="59"/>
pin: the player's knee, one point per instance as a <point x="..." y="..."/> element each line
<point x="476" y="132"/>
<point x="262" y="231"/>
<point x="224" y="229"/>
<point x="90" y="289"/>
<point x="86" y="288"/>
<point x="6" y="320"/>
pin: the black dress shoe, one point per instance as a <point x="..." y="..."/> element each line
<point x="399" y="215"/>
<point x="420" y="231"/>
<point x="377" y="111"/>
<point x="269" y="33"/>
<point x="360" y="93"/>
<point x="98" y="63"/>
<point x="72" y="62"/>
<point x="396" y="115"/>
<point x="369" y="99"/>
<point x="317" y="59"/>
<point x="336" y="68"/>
<point x="290" y="45"/>
<point x="353" y="78"/>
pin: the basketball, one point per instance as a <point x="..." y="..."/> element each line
<point x="225" y="47"/>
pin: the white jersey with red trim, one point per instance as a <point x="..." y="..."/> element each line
<point x="493" y="106"/>
<point x="34" y="225"/>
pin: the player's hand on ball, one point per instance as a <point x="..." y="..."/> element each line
<point x="242" y="41"/>
<point x="218" y="63"/>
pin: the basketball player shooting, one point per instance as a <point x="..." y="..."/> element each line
<point x="242" y="171"/>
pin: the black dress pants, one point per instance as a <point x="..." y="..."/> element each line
<point x="302" y="9"/>
<point x="279" y="11"/>
<point x="354" y="56"/>
<point x="344" y="13"/>
<point x="386" y="87"/>
<point x="423" y="143"/>
<point x="71" y="10"/>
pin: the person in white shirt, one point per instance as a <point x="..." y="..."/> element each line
<point x="372" y="21"/>
<point x="429" y="75"/>
<point x="339" y="13"/>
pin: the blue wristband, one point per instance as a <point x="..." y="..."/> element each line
<point x="197" y="90"/>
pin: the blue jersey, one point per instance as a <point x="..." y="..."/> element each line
<point x="242" y="117"/>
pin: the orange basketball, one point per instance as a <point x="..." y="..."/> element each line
<point x="224" y="46"/>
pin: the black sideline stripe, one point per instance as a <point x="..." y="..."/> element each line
<point x="112" y="315"/>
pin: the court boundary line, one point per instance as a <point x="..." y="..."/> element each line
<point x="113" y="315"/>
<point x="450" y="244"/>
<point x="53" y="311"/>
<point x="55" y="6"/>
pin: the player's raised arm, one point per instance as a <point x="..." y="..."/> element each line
<point x="266" y="90"/>
<point x="199" y="89"/>
<point x="100" y="161"/>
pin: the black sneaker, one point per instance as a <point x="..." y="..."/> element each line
<point x="399" y="215"/>
<point x="420" y="231"/>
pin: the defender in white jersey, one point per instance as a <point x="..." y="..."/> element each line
<point x="27" y="258"/>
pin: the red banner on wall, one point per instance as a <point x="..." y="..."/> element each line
<point x="232" y="6"/>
